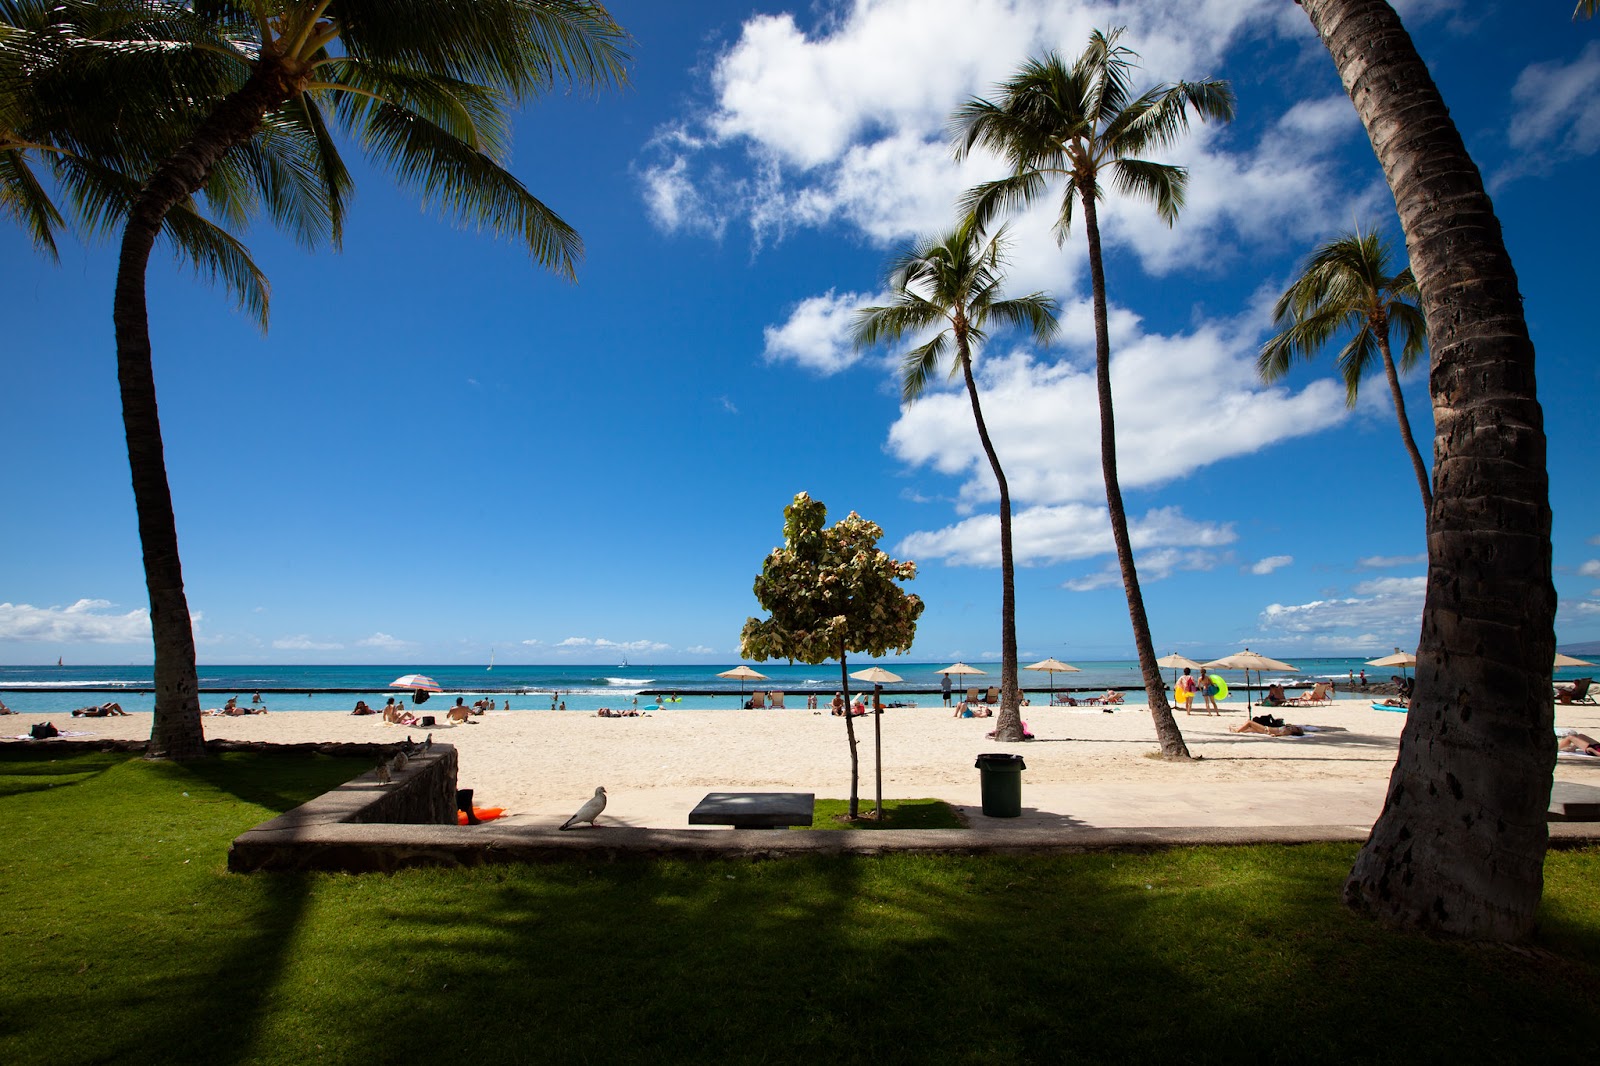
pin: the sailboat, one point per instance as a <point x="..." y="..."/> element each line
<point x="624" y="664"/>
<point x="491" y="660"/>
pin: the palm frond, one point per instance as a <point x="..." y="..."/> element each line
<point x="1359" y="355"/>
<point x="471" y="186"/>
<point x="1161" y="184"/>
<point x="1407" y="321"/>
<point x="218" y="256"/>
<point x="1034" y="313"/>
<point x="920" y="364"/>
<point x="23" y="198"/>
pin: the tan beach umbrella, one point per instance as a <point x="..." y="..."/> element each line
<point x="1567" y="660"/>
<point x="1247" y="661"/>
<point x="1054" y="666"/>
<point x="879" y="677"/>
<point x="1176" y="662"/>
<point x="1402" y="659"/>
<point x="961" y="668"/>
<point x="743" y="673"/>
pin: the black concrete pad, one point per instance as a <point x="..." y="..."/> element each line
<point x="755" y="810"/>
<point x="1572" y="802"/>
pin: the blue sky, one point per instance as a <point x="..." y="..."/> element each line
<point x="438" y="449"/>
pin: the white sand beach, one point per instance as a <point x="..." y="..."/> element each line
<point x="1086" y="767"/>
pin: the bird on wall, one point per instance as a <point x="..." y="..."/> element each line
<point x="590" y="810"/>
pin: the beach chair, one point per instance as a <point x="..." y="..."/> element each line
<point x="1317" y="695"/>
<point x="974" y="695"/>
<point x="1063" y="699"/>
<point x="777" y="700"/>
<point x="993" y="695"/>
<point x="758" y="699"/>
<point x="1578" y="692"/>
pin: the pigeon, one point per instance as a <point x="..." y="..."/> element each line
<point x="589" y="811"/>
<point x="427" y="745"/>
<point x="383" y="772"/>
<point x="398" y="763"/>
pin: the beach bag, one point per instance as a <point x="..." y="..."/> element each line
<point x="44" y="731"/>
<point x="1212" y="690"/>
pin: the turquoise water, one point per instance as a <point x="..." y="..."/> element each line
<point x="581" y="688"/>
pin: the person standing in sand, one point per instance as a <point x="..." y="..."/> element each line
<point x="1185" y="691"/>
<point x="944" y="687"/>
<point x="1208" y="688"/>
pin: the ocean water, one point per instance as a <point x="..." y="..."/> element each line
<point x="57" y="690"/>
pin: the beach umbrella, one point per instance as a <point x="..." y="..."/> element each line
<point x="879" y="677"/>
<point x="1176" y="662"/>
<point x="1567" y="660"/>
<point x="1247" y="661"/>
<point x="1402" y="659"/>
<point x="1054" y="667"/>
<point x="961" y="668"/>
<point x="743" y="673"/>
<point x="418" y="682"/>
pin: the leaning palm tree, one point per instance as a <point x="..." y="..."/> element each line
<point x="1347" y="287"/>
<point x="425" y="88"/>
<point x="951" y="284"/>
<point x="1460" y="845"/>
<point x="1082" y="125"/>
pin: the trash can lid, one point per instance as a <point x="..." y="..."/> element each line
<point x="998" y="760"/>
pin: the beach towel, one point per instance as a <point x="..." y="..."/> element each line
<point x="61" y="735"/>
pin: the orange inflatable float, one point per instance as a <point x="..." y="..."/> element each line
<point x="483" y="814"/>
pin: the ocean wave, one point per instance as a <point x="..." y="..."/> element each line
<point x="625" y="681"/>
<point x="78" y="684"/>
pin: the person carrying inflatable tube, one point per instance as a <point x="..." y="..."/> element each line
<point x="1212" y="688"/>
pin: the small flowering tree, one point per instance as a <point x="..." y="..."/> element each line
<point x="831" y="592"/>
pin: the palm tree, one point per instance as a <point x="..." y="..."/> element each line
<point x="424" y="87"/>
<point x="1347" y="287"/>
<point x="60" y="62"/>
<point x="1459" y="847"/>
<point x="1586" y="8"/>
<point x="951" y="283"/>
<point x="1052" y="122"/>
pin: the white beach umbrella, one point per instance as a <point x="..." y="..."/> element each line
<point x="743" y="673"/>
<point x="1054" y="667"/>
<point x="1247" y="661"/>
<point x="961" y="668"/>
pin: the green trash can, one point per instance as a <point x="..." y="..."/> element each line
<point x="1001" y="777"/>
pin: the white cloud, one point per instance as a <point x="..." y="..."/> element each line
<point x="1384" y="611"/>
<point x="817" y="334"/>
<point x="303" y="642"/>
<point x="699" y="649"/>
<point x="385" y="642"/>
<point x="1590" y="568"/>
<point x="602" y="644"/>
<point x="1559" y="106"/>
<point x="1385" y="562"/>
<point x="1182" y="403"/>
<point x="85" y="621"/>
<point x="1043" y="535"/>
<point x="1271" y="563"/>
<point x="1154" y="565"/>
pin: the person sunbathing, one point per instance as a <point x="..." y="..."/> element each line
<point x="458" y="713"/>
<point x="1254" y="726"/>
<point x="4" y="709"/>
<point x="362" y="708"/>
<point x="105" y="710"/>
<point x="1275" y="696"/>
<point x="1579" y="743"/>
<point x="1111" y="696"/>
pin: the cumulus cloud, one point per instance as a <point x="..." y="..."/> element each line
<point x="1384" y="611"/>
<point x="1042" y="535"/>
<point x="1182" y="403"/>
<point x="304" y="642"/>
<point x="1152" y="565"/>
<point x="86" y="621"/>
<point x="384" y="642"/>
<point x="1386" y="562"/>
<point x="699" y="649"/>
<point x="1558" y="107"/>
<point x="1590" y="568"/>
<point x="603" y="644"/>
<point x="1271" y="563"/>
<point x="817" y="333"/>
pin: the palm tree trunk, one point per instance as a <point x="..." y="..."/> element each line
<point x="1167" y="732"/>
<point x="1406" y="435"/>
<point x="1460" y="845"/>
<point x="850" y="731"/>
<point x="175" y="730"/>
<point x="1008" y="726"/>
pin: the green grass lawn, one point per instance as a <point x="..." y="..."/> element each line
<point x="125" y="939"/>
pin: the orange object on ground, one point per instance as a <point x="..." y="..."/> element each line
<point x="483" y="814"/>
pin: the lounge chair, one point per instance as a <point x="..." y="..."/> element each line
<point x="758" y="699"/>
<point x="993" y="696"/>
<point x="777" y="700"/>
<point x="974" y="695"/>
<point x="1063" y="699"/>
<point x="1317" y="695"/>
<point x="1578" y="692"/>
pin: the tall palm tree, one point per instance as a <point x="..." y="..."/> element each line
<point x="1347" y="287"/>
<point x="951" y="283"/>
<point x="1459" y="847"/>
<point x="424" y="87"/>
<point x="1083" y="125"/>
<point x="90" y="94"/>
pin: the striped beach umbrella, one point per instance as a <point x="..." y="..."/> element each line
<point x="416" y="682"/>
